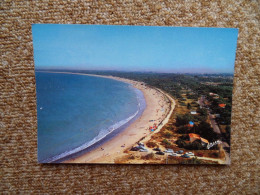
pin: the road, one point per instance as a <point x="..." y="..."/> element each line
<point x="214" y="123"/>
<point x="220" y="161"/>
<point x="211" y="117"/>
<point x="216" y="129"/>
<point x="201" y="101"/>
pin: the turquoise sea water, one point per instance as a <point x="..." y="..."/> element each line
<point x="76" y="111"/>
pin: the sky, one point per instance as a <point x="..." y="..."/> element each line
<point x="134" y="48"/>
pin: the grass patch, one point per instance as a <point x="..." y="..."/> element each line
<point x="151" y="145"/>
<point x="168" y="135"/>
<point x="149" y="156"/>
<point x="166" y="142"/>
<point x="194" y="160"/>
<point x="131" y="157"/>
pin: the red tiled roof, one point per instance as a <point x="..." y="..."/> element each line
<point x="194" y="135"/>
<point x="204" y="140"/>
<point x="222" y="105"/>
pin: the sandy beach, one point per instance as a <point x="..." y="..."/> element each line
<point x="159" y="107"/>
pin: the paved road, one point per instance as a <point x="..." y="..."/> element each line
<point x="216" y="129"/>
<point x="211" y="117"/>
<point x="201" y="101"/>
<point x="214" y="123"/>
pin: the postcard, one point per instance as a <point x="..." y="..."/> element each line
<point x="133" y="94"/>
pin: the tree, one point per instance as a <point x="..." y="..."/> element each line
<point x="183" y="119"/>
<point x="166" y="142"/>
<point x="206" y="131"/>
<point x="189" y="106"/>
<point x="227" y="134"/>
<point x="168" y="135"/>
<point x="181" y="143"/>
<point x="202" y="111"/>
<point x="182" y="130"/>
<point x="196" y="145"/>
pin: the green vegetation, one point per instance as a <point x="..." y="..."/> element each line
<point x="151" y="145"/>
<point x="183" y="130"/>
<point x="194" y="160"/>
<point x="204" y="130"/>
<point x="196" y="145"/>
<point x="215" y="155"/>
<point x="189" y="106"/>
<point x="183" y="119"/>
<point x="168" y="135"/>
<point x="203" y="114"/>
<point x="187" y="89"/>
<point x="166" y="142"/>
<point x="148" y="156"/>
<point x="225" y="113"/>
<point x="226" y="135"/>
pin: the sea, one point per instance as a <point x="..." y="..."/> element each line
<point x="78" y="112"/>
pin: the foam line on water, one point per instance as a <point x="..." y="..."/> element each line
<point x="103" y="133"/>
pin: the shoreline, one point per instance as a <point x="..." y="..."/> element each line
<point x="159" y="107"/>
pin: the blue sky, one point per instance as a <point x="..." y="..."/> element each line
<point x="135" y="48"/>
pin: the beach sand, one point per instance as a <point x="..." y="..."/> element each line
<point x="159" y="107"/>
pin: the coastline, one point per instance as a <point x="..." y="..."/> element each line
<point x="159" y="107"/>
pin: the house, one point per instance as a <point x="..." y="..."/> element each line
<point x="222" y="105"/>
<point x="204" y="141"/>
<point x="193" y="137"/>
<point x="193" y="112"/>
<point x="216" y="97"/>
<point x="217" y="115"/>
<point x="191" y="124"/>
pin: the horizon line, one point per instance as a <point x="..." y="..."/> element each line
<point x="140" y="71"/>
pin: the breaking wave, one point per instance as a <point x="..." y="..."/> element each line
<point x="103" y="133"/>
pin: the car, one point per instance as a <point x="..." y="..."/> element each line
<point x="134" y="149"/>
<point x="157" y="149"/>
<point x="159" y="153"/>
<point x="180" y="152"/>
<point x="190" y="153"/>
<point x="169" y="151"/>
<point x="140" y="144"/>
<point x="185" y="156"/>
<point x="143" y="150"/>
<point x="173" y="154"/>
<point x="141" y="147"/>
